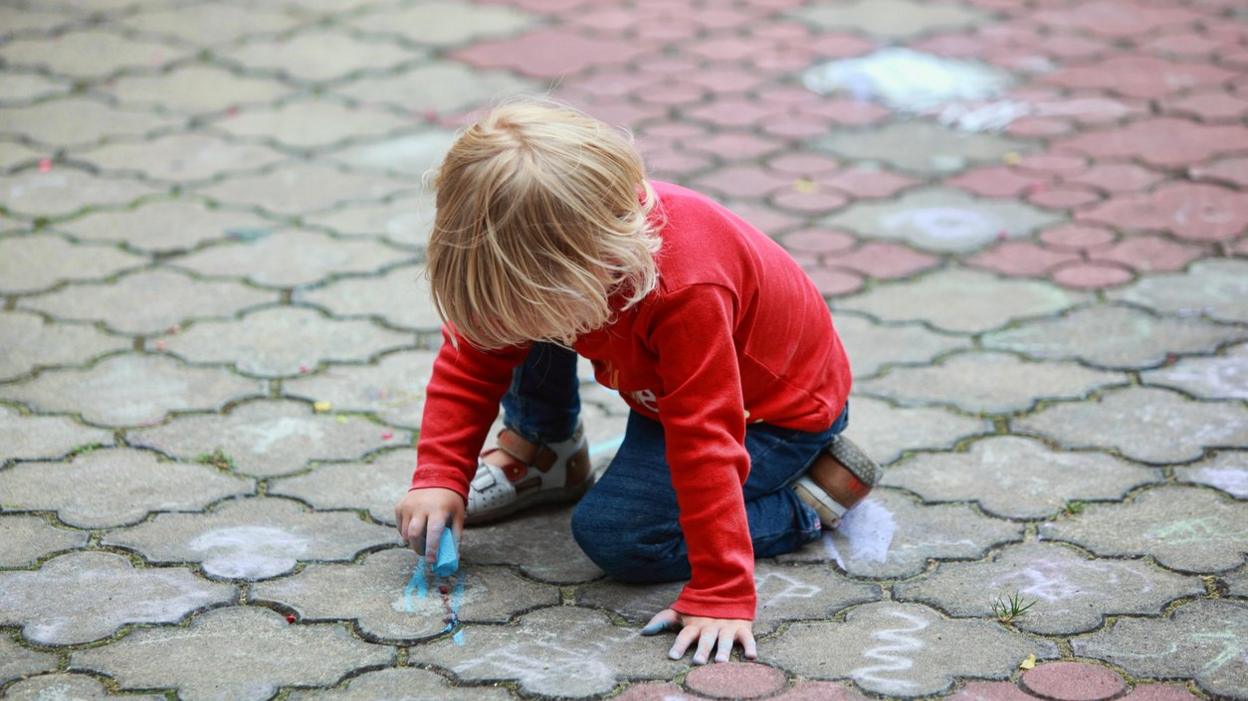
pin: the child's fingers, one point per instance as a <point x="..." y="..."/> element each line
<point x="661" y="621"/>
<point x="726" y="638"/>
<point x="748" y="648"/>
<point x="433" y="536"/>
<point x="705" y="643"/>
<point x="416" y="533"/>
<point x="684" y="638"/>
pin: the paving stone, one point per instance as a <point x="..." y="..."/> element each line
<point x="375" y="486"/>
<point x="1227" y="471"/>
<point x="85" y="596"/>
<point x="550" y="53"/>
<point x="1140" y="76"/>
<point x="888" y="536"/>
<point x="1165" y="142"/>
<point x="785" y="592"/>
<point x="1073" y="681"/>
<point x="401" y="297"/>
<point x="1144" y="423"/>
<point x="310" y="123"/>
<point x="38" y="262"/>
<point x="960" y="300"/>
<point x="79" y="687"/>
<point x="1204" y="639"/>
<point x="553" y="557"/>
<point x="389" y="599"/>
<point x="148" y="302"/>
<point x="24" y="539"/>
<point x="744" y="680"/>
<point x="820" y="691"/>
<point x="196" y="89"/>
<point x="320" y="55"/>
<point x="1195" y="211"/>
<point x="563" y="651"/>
<point x="131" y="390"/>
<point x="902" y="649"/>
<point x="991" y="691"/>
<point x="28" y="342"/>
<point x="17" y="661"/>
<point x="393" y="388"/>
<point x="443" y="23"/>
<point x="63" y="191"/>
<point x="111" y="487"/>
<point x="656" y="691"/>
<point x="1017" y="477"/>
<point x="989" y="382"/>
<point x="278" y="341"/>
<point x="1072" y="594"/>
<point x="240" y="652"/>
<point x="13" y="155"/>
<point x="942" y="219"/>
<point x="289" y="258"/>
<point x="148" y="227"/>
<point x="304" y="189"/>
<point x="403" y="683"/>
<point x="205" y="25"/>
<point x="1239" y="583"/>
<point x="1112" y="336"/>
<point x="872" y="346"/>
<point x="1233" y="170"/>
<point x="34" y="437"/>
<point x="922" y="147"/>
<point x="18" y="20"/>
<point x="1218" y="377"/>
<point x="89" y="54"/>
<point x="253" y="538"/>
<point x="885" y="431"/>
<point x="77" y="121"/>
<point x="1185" y="528"/>
<point x="890" y="19"/>
<point x="404" y="221"/>
<point x="181" y="157"/>
<point x="1214" y="288"/>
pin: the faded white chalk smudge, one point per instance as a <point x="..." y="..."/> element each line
<point x="249" y="552"/>
<point x="907" y="80"/>
<point x="867" y="530"/>
<point x="1232" y="480"/>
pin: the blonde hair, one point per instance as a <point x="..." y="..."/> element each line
<point x="540" y="221"/>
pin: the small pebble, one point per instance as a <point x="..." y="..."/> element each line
<point x="290" y="618"/>
<point x="160" y="345"/>
<point x="322" y="406"/>
<point x="232" y="110"/>
<point x="1012" y="159"/>
<point x="442" y="588"/>
<point x="387" y="436"/>
<point x="805" y="185"/>
<point x="303" y="369"/>
<point x="45" y="164"/>
<point x="1003" y="235"/>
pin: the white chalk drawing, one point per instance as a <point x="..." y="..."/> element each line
<point x="249" y="552"/>
<point x="945" y="225"/>
<point x="896" y="655"/>
<point x="1057" y="582"/>
<point x="1229" y="479"/>
<point x="546" y="660"/>
<point x="260" y="437"/>
<point x="907" y="80"/>
<point x="775" y="587"/>
<point x="867" y="530"/>
<point x="1190" y="531"/>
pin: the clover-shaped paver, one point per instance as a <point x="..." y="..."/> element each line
<point x="62" y="191"/>
<point x="85" y="596"/>
<point x="785" y="592"/>
<point x="960" y="300"/>
<point x="288" y="258"/>
<point x="269" y="438"/>
<point x="1185" y="528"/>
<point x="25" y="538"/>
<point x="392" y="596"/>
<point x="902" y="649"/>
<point x="562" y="651"/>
<point x="35" y="263"/>
<point x="1143" y="423"/>
<point x="393" y="388"/>
<point x="554" y="557"/>
<point x="206" y="26"/>
<point x="320" y="55"/>
<point x="888" y="535"/>
<point x="373" y="486"/>
<point x="28" y="342"/>
<point x="196" y="88"/>
<point x="989" y="382"/>
<point x="403" y="683"/>
<point x="17" y="661"/>
<point x="442" y="86"/>
<point x="148" y="302"/>
<point x="443" y="22"/>
<point x="1016" y="477"/>
<point x="182" y="158"/>
<point x="873" y="424"/>
<point x="401" y="297"/>
<point x="310" y="123"/>
<point x="1228" y="471"/>
<point x="301" y="188"/>
<point x="33" y="437"/>
<point x="1238" y="583"/>
<point x="253" y="538"/>
<point x="410" y="155"/>
<point x="405" y="221"/>
<point x="148" y="228"/>
<point x="1112" y="336"/>
<point x="871" y="346"/>
<point x="1205" y="640"/>
<point x="79" y="121"/>
<point x="1220" y="377"/>
<point x="278" y="341"/>
<point x="1072" y="593"/>
<point x="89" y="53"/>
<point x="896" y="19"/>
<point x="115" y="486"/>
<point x="64" y="685"/>
<point x="1215" y="288"/>
<point x="131" y="390"/>
<point x="240" y="652"/>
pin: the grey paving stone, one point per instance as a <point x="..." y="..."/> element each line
<point x="205" y="25"/>
<point x="1185" y="528"/>
<point x="1238" y="583"/>
<point x="1143" y="423"/>
<point x="895" y="19"/>
<point x="404" y="683"/>
<point x="24" y="539"/>
<point x="923" y="147"/>
<point x="241" y="652"/>
<point x="68" y="686"/>
<point x="393" y="388"/>
<point x="321" y="55"/>
<point x="1221" y="377"/>
<point x="16" y="661"/>
<point x="887" y="535"/>
<point x="35" y="263"/>
<point x="310" y="123"/>
<point x="277" y="341"/>
<point x="269" y="438"/>
<point x="289" y="258"/>
<point x="902" y="649"/>
<point x="62" y="191"/>
<point x="373" y="486"/>
<point x="149" y="301"/>
<point x="77" y="121"/>
<point x="989" y="382"/>
<point x="1226" y="470"/>
<point x="785" y="592"/>
<point x="90" y="53"/>
<point x="401" y="296"/>
<point x="1016" y="477"/>
<point x="33" y="437"/>
<point x="28" y="342"/>
<point x="871" y="346"/>
<point x="406" y="221"/>
<point x="885" y="432"/>
<point x="539" y="542"/>
<point x="1214" y="288"/>
<point x="942" y="219"/>
<point x="1204" y="639"/>
<point x="390" y="599"/>
<point x="961" y="300"/>
<point x="253" y="538"/>
<point x="196" y="89"/>
<point x="563" y="651"/>
<point x="443" y="22"/>
<point x="131" y="390"/>
<point x="1112" y="336"/>
<point x="411" y="155"/>
<point x="304" y="188"/>
<point x="148" y="228"/>
<point x="441" y="86"/>
<point x="14" y="154"/>
<point x="111" y="487"/>
<point x="1072" y="593"/>
<point x="18" y="19"/>
<point x="181" y="157"/>
<point x="84" y="596"/>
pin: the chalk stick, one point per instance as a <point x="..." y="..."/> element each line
<point x="448" y="555"/>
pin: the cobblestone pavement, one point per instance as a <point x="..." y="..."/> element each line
<point x="1030" y="218"/>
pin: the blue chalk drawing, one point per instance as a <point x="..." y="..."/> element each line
<point x="417" y="583"/>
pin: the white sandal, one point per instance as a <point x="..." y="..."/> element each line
<point x="536" y="474"/>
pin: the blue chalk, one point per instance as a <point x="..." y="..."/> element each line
<point x="448" y="555"/>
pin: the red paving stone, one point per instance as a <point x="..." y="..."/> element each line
<point x="656" y="691"/>
<point x="991" y="691"/>
<point x="737" y="680"/>
<point x="1140" y="76"/>
<point x="550" y="53"/>
<point x="1164" y="141"/>
<point x="1159" y="692"/>
<point x="1073" y="681"/>
<point x="819" y="691"/>
<point x="1200" y="212"/>
<point x="1091" y="275"/>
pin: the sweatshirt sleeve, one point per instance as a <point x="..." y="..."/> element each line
<point x="461" y="401"/>
<point x="703" y="416"/>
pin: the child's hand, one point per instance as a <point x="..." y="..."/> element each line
<point x="423" y="514"/>
<point x="707" y="631"/>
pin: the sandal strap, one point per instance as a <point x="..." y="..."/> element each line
<point x="540" y="456"/>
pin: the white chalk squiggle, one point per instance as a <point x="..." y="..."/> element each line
<point x="892" y="657"/>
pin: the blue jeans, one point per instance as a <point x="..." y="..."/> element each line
<point x="627" y="523"/>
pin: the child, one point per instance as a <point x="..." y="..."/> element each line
<point x="549" y="242"/>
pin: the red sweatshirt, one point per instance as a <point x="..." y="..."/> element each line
<point x="735" y="333"/>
